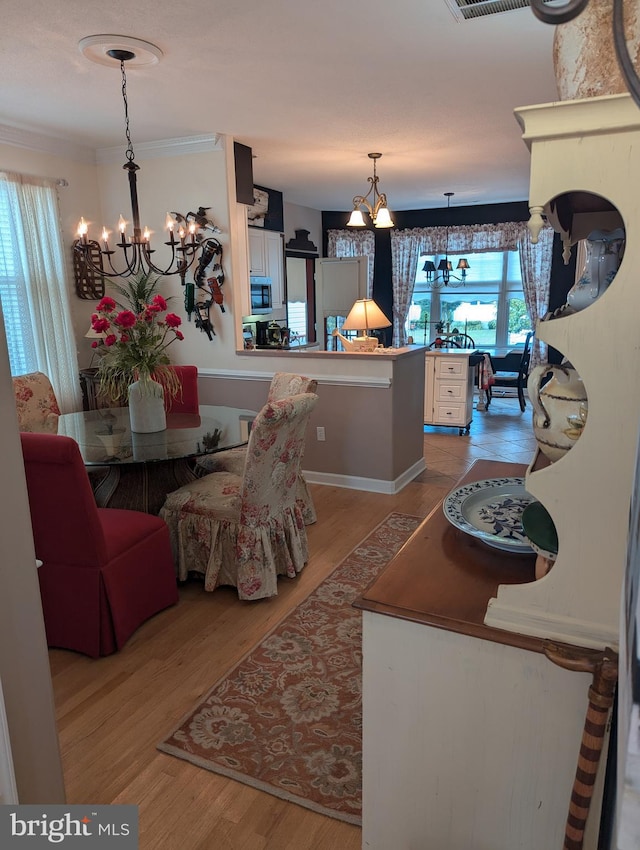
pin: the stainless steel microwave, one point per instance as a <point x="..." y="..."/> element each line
<point x="261" y="295"/>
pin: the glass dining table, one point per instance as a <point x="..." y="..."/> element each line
<point x="140" y="469"/>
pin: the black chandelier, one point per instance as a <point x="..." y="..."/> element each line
<point x="136" y="251"/>
<point x="571" y="9"/>
<point x="445" y="266"/>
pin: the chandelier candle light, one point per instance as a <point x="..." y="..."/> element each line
<point x="377" y="208"/>
<point x="445" y="278"/>
<point x="136" y="249"/>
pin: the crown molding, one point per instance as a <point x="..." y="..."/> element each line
<point x="167" y="147"/>
<point x="21" y="137"/>
<point x="32" y="140"/>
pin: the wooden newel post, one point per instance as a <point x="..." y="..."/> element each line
<point x="603" y="665"/>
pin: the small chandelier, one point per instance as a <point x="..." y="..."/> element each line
<point x="136" y="249"/>
<point x="377" y="207"/>
<point x="445" y="267"/>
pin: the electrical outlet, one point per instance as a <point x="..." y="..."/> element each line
<point x="320" y="433"/>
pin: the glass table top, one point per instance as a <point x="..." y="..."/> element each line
<point x="105" y="435"/>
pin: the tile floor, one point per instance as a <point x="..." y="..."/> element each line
<point x="501" y="433"/>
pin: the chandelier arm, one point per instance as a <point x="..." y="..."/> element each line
<point x="361" y="201"/>
<point x="558" y="14"/>
<point x="622" y="52"/>
<point x="183" y="264"/>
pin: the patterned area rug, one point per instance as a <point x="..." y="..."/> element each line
<point x="288" y="718"/>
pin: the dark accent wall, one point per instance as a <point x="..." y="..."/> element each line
<point x="562" y="277"/>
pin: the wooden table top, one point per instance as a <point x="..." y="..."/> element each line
<point x="445" y="578"/>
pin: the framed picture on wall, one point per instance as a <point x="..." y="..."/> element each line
<point x="267" y="210"/>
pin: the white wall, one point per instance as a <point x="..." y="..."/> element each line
<point x="24" y="662"/>
<point x="303" y="218"/>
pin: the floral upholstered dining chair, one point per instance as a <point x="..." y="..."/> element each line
<point x="36" y="403"/>
<point x="246" y="530"/>
<point x="283" y="384"/>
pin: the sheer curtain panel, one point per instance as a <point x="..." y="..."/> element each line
<point x="33" y="285"/>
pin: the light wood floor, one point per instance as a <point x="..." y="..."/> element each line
<point x="113" y="711"/>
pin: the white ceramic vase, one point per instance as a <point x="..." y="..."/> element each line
<point x="584" y="56"/>
<point x="146" y="407"/>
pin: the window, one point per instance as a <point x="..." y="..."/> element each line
<point x="13" y="295"/>
<point x="489" y="307"/>
<point x="33" y="285"/>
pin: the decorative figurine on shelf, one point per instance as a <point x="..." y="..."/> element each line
<point x="559" y="408"/>
<point x="603" y="254"/>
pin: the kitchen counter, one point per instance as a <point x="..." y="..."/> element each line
<point x="309" y="351"/>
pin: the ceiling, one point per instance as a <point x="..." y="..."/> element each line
<point x="310" y="87"/>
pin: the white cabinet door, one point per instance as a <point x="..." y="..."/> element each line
<point x="340" y="282"/>
<point x="274" y="250"/>
<point x="257" y="253"/>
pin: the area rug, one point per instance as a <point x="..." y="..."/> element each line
<point x="288" y="718"/>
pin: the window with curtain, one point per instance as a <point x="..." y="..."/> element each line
<point x="15" y="307"/>
<point x="33" y="286"/>
<point x="489" y="307"/>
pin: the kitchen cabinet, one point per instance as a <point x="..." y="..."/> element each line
<point x="257" y="253"/>
<point x="448" y="397"/>
<point x="266" y="259"/>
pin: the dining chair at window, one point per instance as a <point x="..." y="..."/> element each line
<point x="453" y="341"/>
<point x="105" y="570"/>
<point x="246" y="530"/>
<point x="515" y="374"/>
<point x="283" y="384"/>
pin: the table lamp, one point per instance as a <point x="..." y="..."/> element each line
<point x="363" y="317"/>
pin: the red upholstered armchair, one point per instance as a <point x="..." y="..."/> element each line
<point x="105" y="571"/>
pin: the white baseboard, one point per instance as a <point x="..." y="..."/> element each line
<point x="371" y="485"/>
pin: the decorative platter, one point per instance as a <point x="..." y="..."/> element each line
<point x="491" y="510"/>
<point x="540" y="529"/>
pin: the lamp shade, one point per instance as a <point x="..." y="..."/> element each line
<point x="463" y="264"/>
<point x="444" y="266"/>
<point x="356" y="220"/>
<point x="429" y="267"/>
<point x="383" y="218"/>
<point x="364" y="315"/>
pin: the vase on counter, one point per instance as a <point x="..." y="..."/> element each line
<point x="146" y="406"/>
<point x="559" y="408"/>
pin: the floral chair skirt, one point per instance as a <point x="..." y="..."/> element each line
<point x="208" y="538"/>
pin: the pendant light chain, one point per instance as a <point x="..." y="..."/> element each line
<point x="130" y="154"/>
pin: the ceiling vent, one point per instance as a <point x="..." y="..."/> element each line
<point x="464" y="10"/>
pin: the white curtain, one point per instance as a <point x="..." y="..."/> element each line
<point x="35" y="237"/>
<point x="406" y="247"/>
<point x="354" y="243"/>
<point x="535" y="270"/>
<point x="535" y="263"/>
